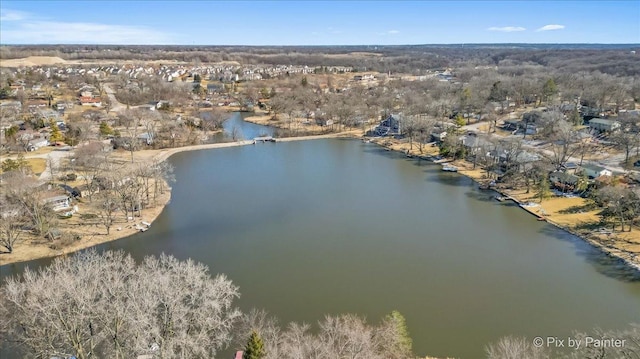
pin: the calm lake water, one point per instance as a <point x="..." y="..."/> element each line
<point x="338" y="226"/>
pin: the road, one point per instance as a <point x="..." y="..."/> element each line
<point x="116" y="105"/>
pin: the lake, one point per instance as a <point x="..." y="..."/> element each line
<point x="335" y="226"/>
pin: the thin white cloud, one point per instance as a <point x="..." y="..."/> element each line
<point x="52" y="32"/>
<point x="12" y="15"/>
<point x="507" y="28"/>
<point x="393" y="32"/>
<point x="551" y="27"/>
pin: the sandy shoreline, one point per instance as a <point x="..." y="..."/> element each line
<point x="630" y="256"/>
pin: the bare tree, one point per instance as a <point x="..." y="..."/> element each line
<point x="11" y="225"/>
<point x="103" y="305"/>
<point x="626" y="138"/>
<point x="344" y="336"/>
<point x="563" y="138"/>
<point x="107" y="207"/>
<point x="515" y="348"/>
<point x="630" y="348"/>
<point x="92" y="161"/>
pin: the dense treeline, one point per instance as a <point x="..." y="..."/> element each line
<point x="610" y="59"/>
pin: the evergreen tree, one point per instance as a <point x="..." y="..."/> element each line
<point x="403" y="340"/>
<point x="575" y="117"/>
<point x="549" y="89"/>
<point x="105" y="129"/>
<point x="544" y="190"/>
<point x="254" y="348"/>
<point x="19" y="164"/>
<point x="304" y="81"/>
<point x="56" y="135"/>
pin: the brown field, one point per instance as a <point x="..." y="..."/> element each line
<point x="38" y="165"/>
<point x="32" y="61"/>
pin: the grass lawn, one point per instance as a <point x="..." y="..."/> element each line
<point x="38" y="165"/>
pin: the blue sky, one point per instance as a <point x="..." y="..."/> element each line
<point x="318" y="22"/>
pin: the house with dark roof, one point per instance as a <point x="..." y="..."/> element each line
<point x="389" y="126"/>
<point x="564" y="181"/>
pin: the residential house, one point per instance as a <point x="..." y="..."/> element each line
<point x="214" y="88"/>
<point x="389" y="126"/>
<point x="593" y="171"/>
<point x="476" y="144"/>
<point x="162" y="105"/>
<point x="570" y="168"/>
<point x="519" y="162"/>
<point x="323" y="121"/>
<point x="438" y="134"/>
<point x="564" y="181"/>
<point x="90" y="101"/>
<point x="37" y="143"/>
<point x="531" y="122"/>
<point x="146" y="138"/>
<point x="58" y="203"/>
<point x="85" y="191"/>
<point x="511" y="125"/>
<point x="147" y="107"/>
<point x="603" y="125"/>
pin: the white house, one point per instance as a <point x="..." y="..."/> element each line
<point x="37" y="143"/>
<point x="58" y="203"/>
<point x="593" y="171"/>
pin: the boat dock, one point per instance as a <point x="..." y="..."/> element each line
<point x="263" y="139"/>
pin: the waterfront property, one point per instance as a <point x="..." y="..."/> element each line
<point x="390" y="126"/>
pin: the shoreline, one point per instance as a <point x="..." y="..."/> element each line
<point x="41" y="249"/>
<point x="629" y="259"/>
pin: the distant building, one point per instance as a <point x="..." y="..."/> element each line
<point x="214" y="88"/>
<point x="90" y="101"/>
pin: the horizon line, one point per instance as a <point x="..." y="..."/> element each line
<point x="336" y="45"/>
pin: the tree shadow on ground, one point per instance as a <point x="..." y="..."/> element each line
<point x="579" y="209"/>
<point x="605" y="264"/>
